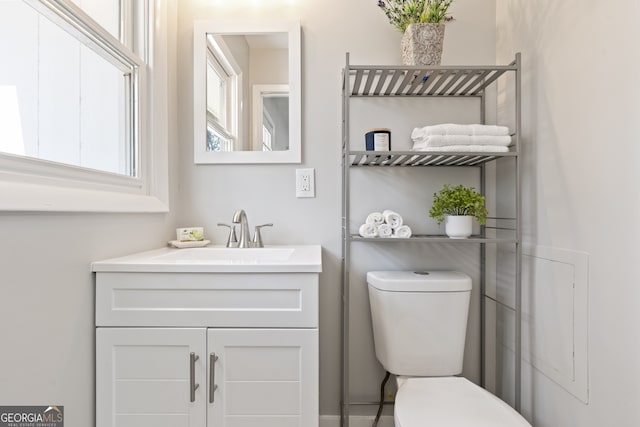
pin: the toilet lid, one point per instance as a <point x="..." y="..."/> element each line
<point x="451" y="402"/>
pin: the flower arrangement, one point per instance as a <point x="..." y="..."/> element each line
<point x="458" y="200"/>
<point x="402" y="13"/>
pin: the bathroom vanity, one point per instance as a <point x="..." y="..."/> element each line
<point x="208" y="337"/>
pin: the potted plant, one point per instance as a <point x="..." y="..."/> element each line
<point x="422" y="25"/>
<point x="457" y="206"/>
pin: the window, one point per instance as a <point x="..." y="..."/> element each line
<point x="223" y="97"/>
<point x="217" y="92"/>
<point x="268" y="129"/>
<point x="75" y="111"/>
<point x="220" y="88"/>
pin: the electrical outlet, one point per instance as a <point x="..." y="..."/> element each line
<point x="305" y="183"/>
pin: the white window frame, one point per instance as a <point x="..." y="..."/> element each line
<point x="228" y="127"/>
<point x="28" y="184"/>
<point x="213" y="64"/>
<point x="214" y="127"/>
<point x="224" y="62"/>
<point x="268" y="131"/>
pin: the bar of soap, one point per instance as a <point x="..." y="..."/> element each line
<point x="190" y="234"/>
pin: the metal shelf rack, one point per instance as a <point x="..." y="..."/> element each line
<point x="416" y="158"/>
<point x="427" y="82"/>
<point x="428" y="238"/>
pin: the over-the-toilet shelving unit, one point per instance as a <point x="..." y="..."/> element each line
<point x="428" y="82"/>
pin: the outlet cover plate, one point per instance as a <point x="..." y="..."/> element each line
<point x="305" y="183"/>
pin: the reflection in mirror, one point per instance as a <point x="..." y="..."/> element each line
<point x="270" y="117"/>
<point x="246" y="92"/>
<point x="224" y="84"/>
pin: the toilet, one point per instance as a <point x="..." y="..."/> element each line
<point x="419" y="328"/>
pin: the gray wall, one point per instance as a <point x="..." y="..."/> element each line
<point x="211" y="193"/>
<point x="580" y="181"/>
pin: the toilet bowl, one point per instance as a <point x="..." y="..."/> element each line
<point x="419" y="326"/>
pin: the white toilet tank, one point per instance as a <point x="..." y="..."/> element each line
<point x="419" y="320"/>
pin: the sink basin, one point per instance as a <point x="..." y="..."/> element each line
<point x="227" y="255"/>
<point x="212" y="259"/>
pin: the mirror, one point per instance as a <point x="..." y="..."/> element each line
<point x="247" y="86"/>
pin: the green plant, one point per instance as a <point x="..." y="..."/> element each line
<point x="402" y="13"/>
<point x="458" y="200"/>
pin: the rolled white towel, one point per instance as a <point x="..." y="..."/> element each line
<point x="446" y="140"/>
<point x="385" y="230"/>
<point x="402" y="232"/>
<point x="392" y="218"/>
<point x="368" y="230"/>
<point x="464" y="148"/>
<point x="375" y="218"/>
<point x="456" y="129"/>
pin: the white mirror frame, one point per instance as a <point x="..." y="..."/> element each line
<point x="200" y="153"/>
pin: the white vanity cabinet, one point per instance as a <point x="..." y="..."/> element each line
<point x="264" y="377"/>
<point x="206" y="349"/>
<point x="143" y="377"/>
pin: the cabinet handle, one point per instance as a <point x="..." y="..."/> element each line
<point x="212" y="376"/>
<point x="193" y="386"/>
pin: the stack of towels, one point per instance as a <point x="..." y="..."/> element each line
<point x="455" y="137"/>
<point x="385" y="224"/>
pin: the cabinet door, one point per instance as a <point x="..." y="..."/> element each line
<point x="143" y="377"/>
<point x="264" y="377"/>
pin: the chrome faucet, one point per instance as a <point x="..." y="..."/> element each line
<point x="240" y="217"/>
<point x="232" y="241"/>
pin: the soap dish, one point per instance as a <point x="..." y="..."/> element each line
<point x="189" y="244"/>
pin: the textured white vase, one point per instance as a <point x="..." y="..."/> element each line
<point x="422" y="44"/>
<point x="458" y="227"/>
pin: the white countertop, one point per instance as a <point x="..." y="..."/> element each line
<point x="219" y="259"/>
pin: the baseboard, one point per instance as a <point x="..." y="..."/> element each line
<point x="355" y="421"/>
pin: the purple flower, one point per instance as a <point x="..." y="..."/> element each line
<point x="381" y="4"/>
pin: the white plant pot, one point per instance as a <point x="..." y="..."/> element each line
<point x="458" y="227"/>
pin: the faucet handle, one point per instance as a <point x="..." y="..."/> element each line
<point x="257" y="236"/>
<point x="232" y="240"/>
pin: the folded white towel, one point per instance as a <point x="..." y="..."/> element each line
<point x="455" y="129"/>
<point x="464" y="148"/>
<point x="368" y="230"/>
<point x="445" y="140"/>
<point x="385" y="230"/>
<point x="375" y="218"/>
<point x="392" y="218"/>
<point x="402" y="232"/>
